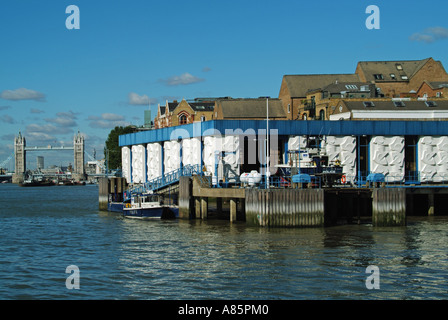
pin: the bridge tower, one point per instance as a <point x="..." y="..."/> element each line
<point x="20" y="158"/>
<point x="79" y="169"/>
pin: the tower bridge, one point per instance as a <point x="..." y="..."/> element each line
<point x="21" y="149"/>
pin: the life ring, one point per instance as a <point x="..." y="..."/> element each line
<point x="343" y="179"/>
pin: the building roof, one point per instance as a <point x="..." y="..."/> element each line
<point x="299" y="85"/>
<point x="404" y="105"/>
<point x="202" y="106"/>
<point x="438" y="84"/>
<point x="354" y="86"/>
<point x="391" y="70"/>
<point x="251" y="108"/>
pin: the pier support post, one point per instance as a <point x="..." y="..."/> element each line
<point x="389" y="207"/>
<point x="232" y="210"/>
<point x="204" y="208"/>
<point x="185" y="201"/>
<point x="219" y="205"/>
<point x="285" y="208"/>
<point x="431" y="204"/>
<point x="103" y="193"/>
<point x="197" y="206"/>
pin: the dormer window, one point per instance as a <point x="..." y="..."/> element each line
<point x="399" y="104"/>
<point x="404" y="78"/>
<point x="431" y="103"/>
<point x="368" y="104"/>
<point x="392" y="76"/>
<point x="378" y="76"/>
<point x="399" y="66"/>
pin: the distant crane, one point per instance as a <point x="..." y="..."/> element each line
<point x="93" y="159"/>
<point x="3" y="164"/>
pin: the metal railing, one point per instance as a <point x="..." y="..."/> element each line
<point x="165" y="180"/>
<point x="410" y="180"/>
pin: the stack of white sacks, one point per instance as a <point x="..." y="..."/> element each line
<point x="191" y="151"/>
<point x="297" y="142"/>
<point x="342" y="148"/>
<point x="154" y="160"/>
<point x="138" y="163"/>
<point x="231" y="156"/>
<point x="433" y="159"/>
<point x="387" y="157"/>
<point x="171" y="150"/>
<point x="126" y="163"/>
<point x="227" y="148"/>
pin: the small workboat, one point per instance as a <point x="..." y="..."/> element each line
<point x="36" y="181"/>
<point x="149" y="206"/>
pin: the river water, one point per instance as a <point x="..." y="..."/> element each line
<point x="44" y="230"/>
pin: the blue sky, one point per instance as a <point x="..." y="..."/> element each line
<point x="129" y="54"/>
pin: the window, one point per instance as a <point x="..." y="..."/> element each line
<point x="399" y="103"/>
<point x="365" y="88"/>
<point x="431" y="103"/>
<point x="351" y="86"/>
<point x="378" y="76"/>
<point x="183" y="119"/>
<point x="392" y="76"/>
<point x="368" y="104"/>
<point x="202" y="118"/>
<point x="438" y="94"/>
<point x="322" y="115"/>
<point x="399" y="66"/>
<point x="404" y="78"/>
<point x="289" y="108"/>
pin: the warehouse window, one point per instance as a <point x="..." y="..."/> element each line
<point x="378" y="76"/>
<point x="183" y="119"/>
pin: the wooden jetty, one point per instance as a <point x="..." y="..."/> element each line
<point x="297" y="207"/>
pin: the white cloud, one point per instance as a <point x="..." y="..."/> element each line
<point x="47" y="129"/>
<point x="107" y="121"/>
<point x="183" y="79"/>
<point x="65" y="119"/>
<point x="137" y="100"/>
<point x="112" y="117"/>
<point x="430" y="35"/>
<point x="22" y="94"/>
<point x="7" y="119"/>
<point x="40" y="137"/>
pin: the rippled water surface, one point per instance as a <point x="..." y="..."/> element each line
<point x="44" y="230"/>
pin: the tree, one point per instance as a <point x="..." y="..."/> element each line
<point x="112" y="150"/>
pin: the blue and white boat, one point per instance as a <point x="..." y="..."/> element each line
<point x="149" y="206"/>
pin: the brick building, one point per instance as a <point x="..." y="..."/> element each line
<point x="434" y="89"/>
<point x="250" y="109"/>
<point x="401" y="78"/>
<point x="184" y="112"/>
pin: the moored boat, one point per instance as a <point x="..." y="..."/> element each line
<point x="36" y="181"/>
<point x="149" y="206"/>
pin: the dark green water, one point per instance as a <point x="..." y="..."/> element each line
<point x="44" y="230"/>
